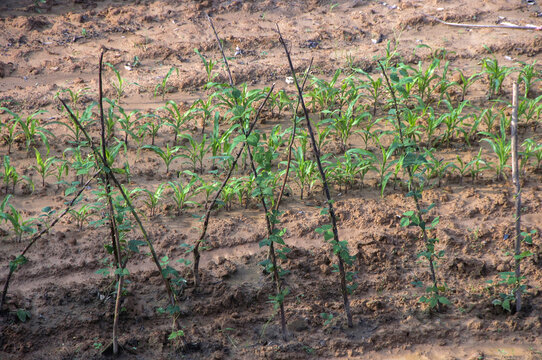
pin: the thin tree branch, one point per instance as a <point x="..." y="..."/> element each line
<point x="217" y="194"/>
<point x="221" y="50"/>
<point x="41" y="233"/>
<point x="511" y="27"/>
<point x="324" y="183"/>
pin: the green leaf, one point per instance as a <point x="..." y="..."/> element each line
<point x="443" y="300"/>
<point x="133" y="245"/>
<point x="23" y="315"/>
<point x="175" y="334"/>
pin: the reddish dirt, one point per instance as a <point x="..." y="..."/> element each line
<point x="229" y="318"/>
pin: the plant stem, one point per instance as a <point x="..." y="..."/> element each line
<point x="221" y="50"/>
<point x="411" y="180"/>
<point x="515" y="180"/>
<point x="217" y="194"/>
<point x="106" y="167"/>
<point x="40" y="234"/>
<point x="324" y="183"/>
<point x="292" y="138"/>
<point x="111" y="211"/>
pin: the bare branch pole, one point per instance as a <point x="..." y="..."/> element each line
<point x="411" y="179"/>
<point x="292" y="138"/>
<point x="126" y="198"/>
<point x="324" y="183"/>
<point x="210" y="207"/>
<point x="221" y="50"/>
<point x="515" y="179"/>
<point x="40" y="234"/>
<point x="111" y="210"/>
<point x="510" y="27"/>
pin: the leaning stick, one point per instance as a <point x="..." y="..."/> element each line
<point x="221" y="50"/>
<point x="515" y="177"/>
<point x="126" y="198"/>
<point x="511" y="27"/>
<point x="195" y="268"/>
<point x="316" y="151"/>
<point x="40" y="234"/>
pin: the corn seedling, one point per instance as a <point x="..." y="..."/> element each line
<point x="162" y="87"/>
<point x="127" y="123"/>
<point x="385" y="164"/>
<point x="10" y="214"/>
<point x="153" y="126"/>
<point x="167" y="155"/>
<point x="205" y="107"/>
<point x="44" y="166"/>
<point x="501" y="147"/>
<point x="119" y="83"/>
<point x="183" y="193"/>
<point x="196" y="152"/>
<point x="85" y="118"/>
<point x="529" y="75"/>
<point x="209" y="66"/>
<point x="82" y="214"/>
<point x="10" y="174"/>
<point x="495" y="74"/>
<point x="465" y="82"/>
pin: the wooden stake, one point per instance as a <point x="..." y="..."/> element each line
<point x="515" y="180"/>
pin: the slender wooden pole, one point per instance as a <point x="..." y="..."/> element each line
<point x="515" y="180"/>
<point x="40" y="234"/>
<point x="316" y="151"/>
<point x="510" y="27"/>
<point x="195" y="251"/>
<point x="221" y="50"/>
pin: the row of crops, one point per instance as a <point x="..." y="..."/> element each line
<point x="400" y="127"/>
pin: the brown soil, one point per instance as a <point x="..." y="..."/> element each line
<point x="71" y="306"/>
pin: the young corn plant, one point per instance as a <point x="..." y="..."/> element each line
<point x="529" y="75"/>
<point x="10" y="174"/>
<point x="119" y="83"/>
<point x="162" y="87"/>
<point x="11" y="133"/>
<point x="167" y="155"/>
<point x="453" y="120"/>
<point x="374" y="87"/>
<point x="495" y="74"/>
<point x="30" y="128"/>
<point x="128" y="122"/>
<point x="10" y="214"/>
<point x="478" y="166"/>
<point x="304" y="170"/>
<point x="82" y="215"/>
<point x="85" y="118"/>
<point x="44" y="166"/>
<point x="152" y="126"/>
<point x="323" y="94"/>
<point x="152" y="199"/>
<point x="385" y="164"/>
<point x="205" y="107"/>
<point x="343" y="123"/>
<point x="465" y="82"/>
<point x="177" y="118"/>
<point x="502" y="147"/>
<point x="182" y="194"/>
<point x="209" y="67"/>
<point x="196" y="151"/>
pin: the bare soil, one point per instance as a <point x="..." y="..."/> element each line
<point x="230" y="317"/>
